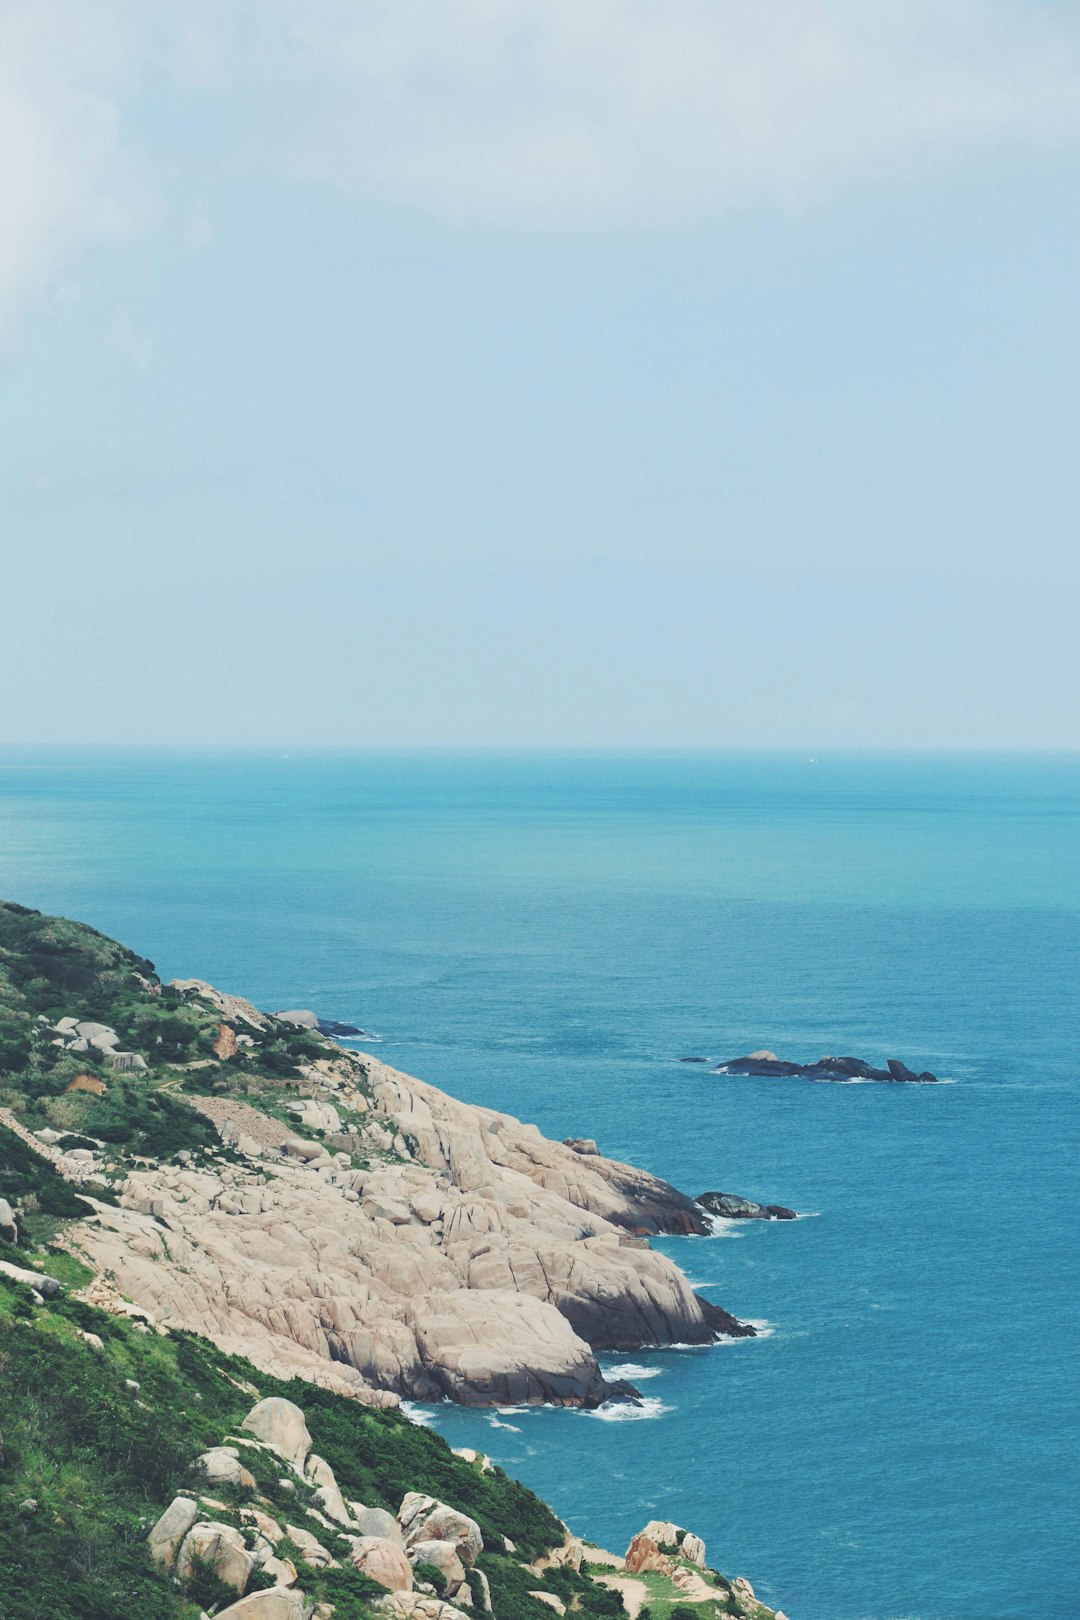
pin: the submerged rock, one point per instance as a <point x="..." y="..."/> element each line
<point x="768" y="1065"/>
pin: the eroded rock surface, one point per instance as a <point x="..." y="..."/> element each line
<point x="473" y="1260"/>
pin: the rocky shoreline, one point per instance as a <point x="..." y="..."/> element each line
<point x="470" y="1259"/>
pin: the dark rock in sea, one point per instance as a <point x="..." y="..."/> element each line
<point x="767" y="1064"/>
<point x="724" y="1325"/>
<point x="339" y="1031"/>
<point x="733" y="1208"/>
<point x="694" y="1060"/>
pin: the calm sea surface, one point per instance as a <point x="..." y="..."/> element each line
<point x="545" y="934"/>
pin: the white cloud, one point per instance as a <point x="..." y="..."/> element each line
<point x="538" y="112"/>
<point x="650" y="111"/>
<point x="65" y="177"/>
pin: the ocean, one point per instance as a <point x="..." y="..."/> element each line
<point x="547" y="934"/>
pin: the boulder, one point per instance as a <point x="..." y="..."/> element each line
<point x="99" y="1036"/>
<point x="316" y="1116"/>
<point x="443" y="1556"/>
<point x="264" y="1524"/>
<point x="276" y="1603"/>
<point x="423" y="1519"/>
<point x="643" y="1553"/>
<point x="693" y="1548"/>
<point x="733" y="1208"/>
<point x="222" y="1466"/>
<point x="9" y="1228"/>
<point x="282" y="1426"/>
<point x="378" y="1522"/>
<point x="552" y="1601"/>
<point x="308" y="1152"/>
<point x="47" y="1287"/>
<point x="383" y="1561"/>
<point x="417" y="1606"/>
<point x="300" y="1017"/>
<point x="217" y="1547"/>
<point x="282" y="1571"/>
<point x="168" y="1533"/>
<point x="320" y="1474"/>
<point x="664" y="1532"/>
<point x="311" y="1549"/>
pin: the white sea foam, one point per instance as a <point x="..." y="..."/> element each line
<point x="721" y="1226"/>
<point x="497" y="1423"/>
<point x="625" y="1412"/>
<point x="418" y="1414"/>
<point x="631" y="1370"/>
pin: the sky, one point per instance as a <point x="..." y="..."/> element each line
<point x="538" y="373"/>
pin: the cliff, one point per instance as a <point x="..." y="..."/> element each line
<point x="227" y="1248"/>
<point x="321" y="1213"/>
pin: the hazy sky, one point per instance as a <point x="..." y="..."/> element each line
<point x="540" y="371"/>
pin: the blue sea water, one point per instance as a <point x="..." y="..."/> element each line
<point x="545" y="934"/>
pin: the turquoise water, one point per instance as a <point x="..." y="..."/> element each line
<point x="545" y="934"/>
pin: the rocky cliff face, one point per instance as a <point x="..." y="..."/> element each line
<point x="472" y="1259"/>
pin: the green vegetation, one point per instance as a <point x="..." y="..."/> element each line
<point x="96" y="1441"/>
<point x="102" y="1460"/>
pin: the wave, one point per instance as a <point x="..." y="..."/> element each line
<point x="721" y="1227"/>
<point x="631" y="1370"/>
<point x="497" y="1423"/>
<point x="623" y="1412"/>
<point x="418" y="1414"/>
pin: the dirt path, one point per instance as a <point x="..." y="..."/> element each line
<point x="634" y="1593"/>
<point x="696" y="1588"/>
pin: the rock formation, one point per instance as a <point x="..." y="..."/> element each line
<point x="826" y="1068"/>
<point x="732" y="1208"/>
<point x="471" y="1259"/>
